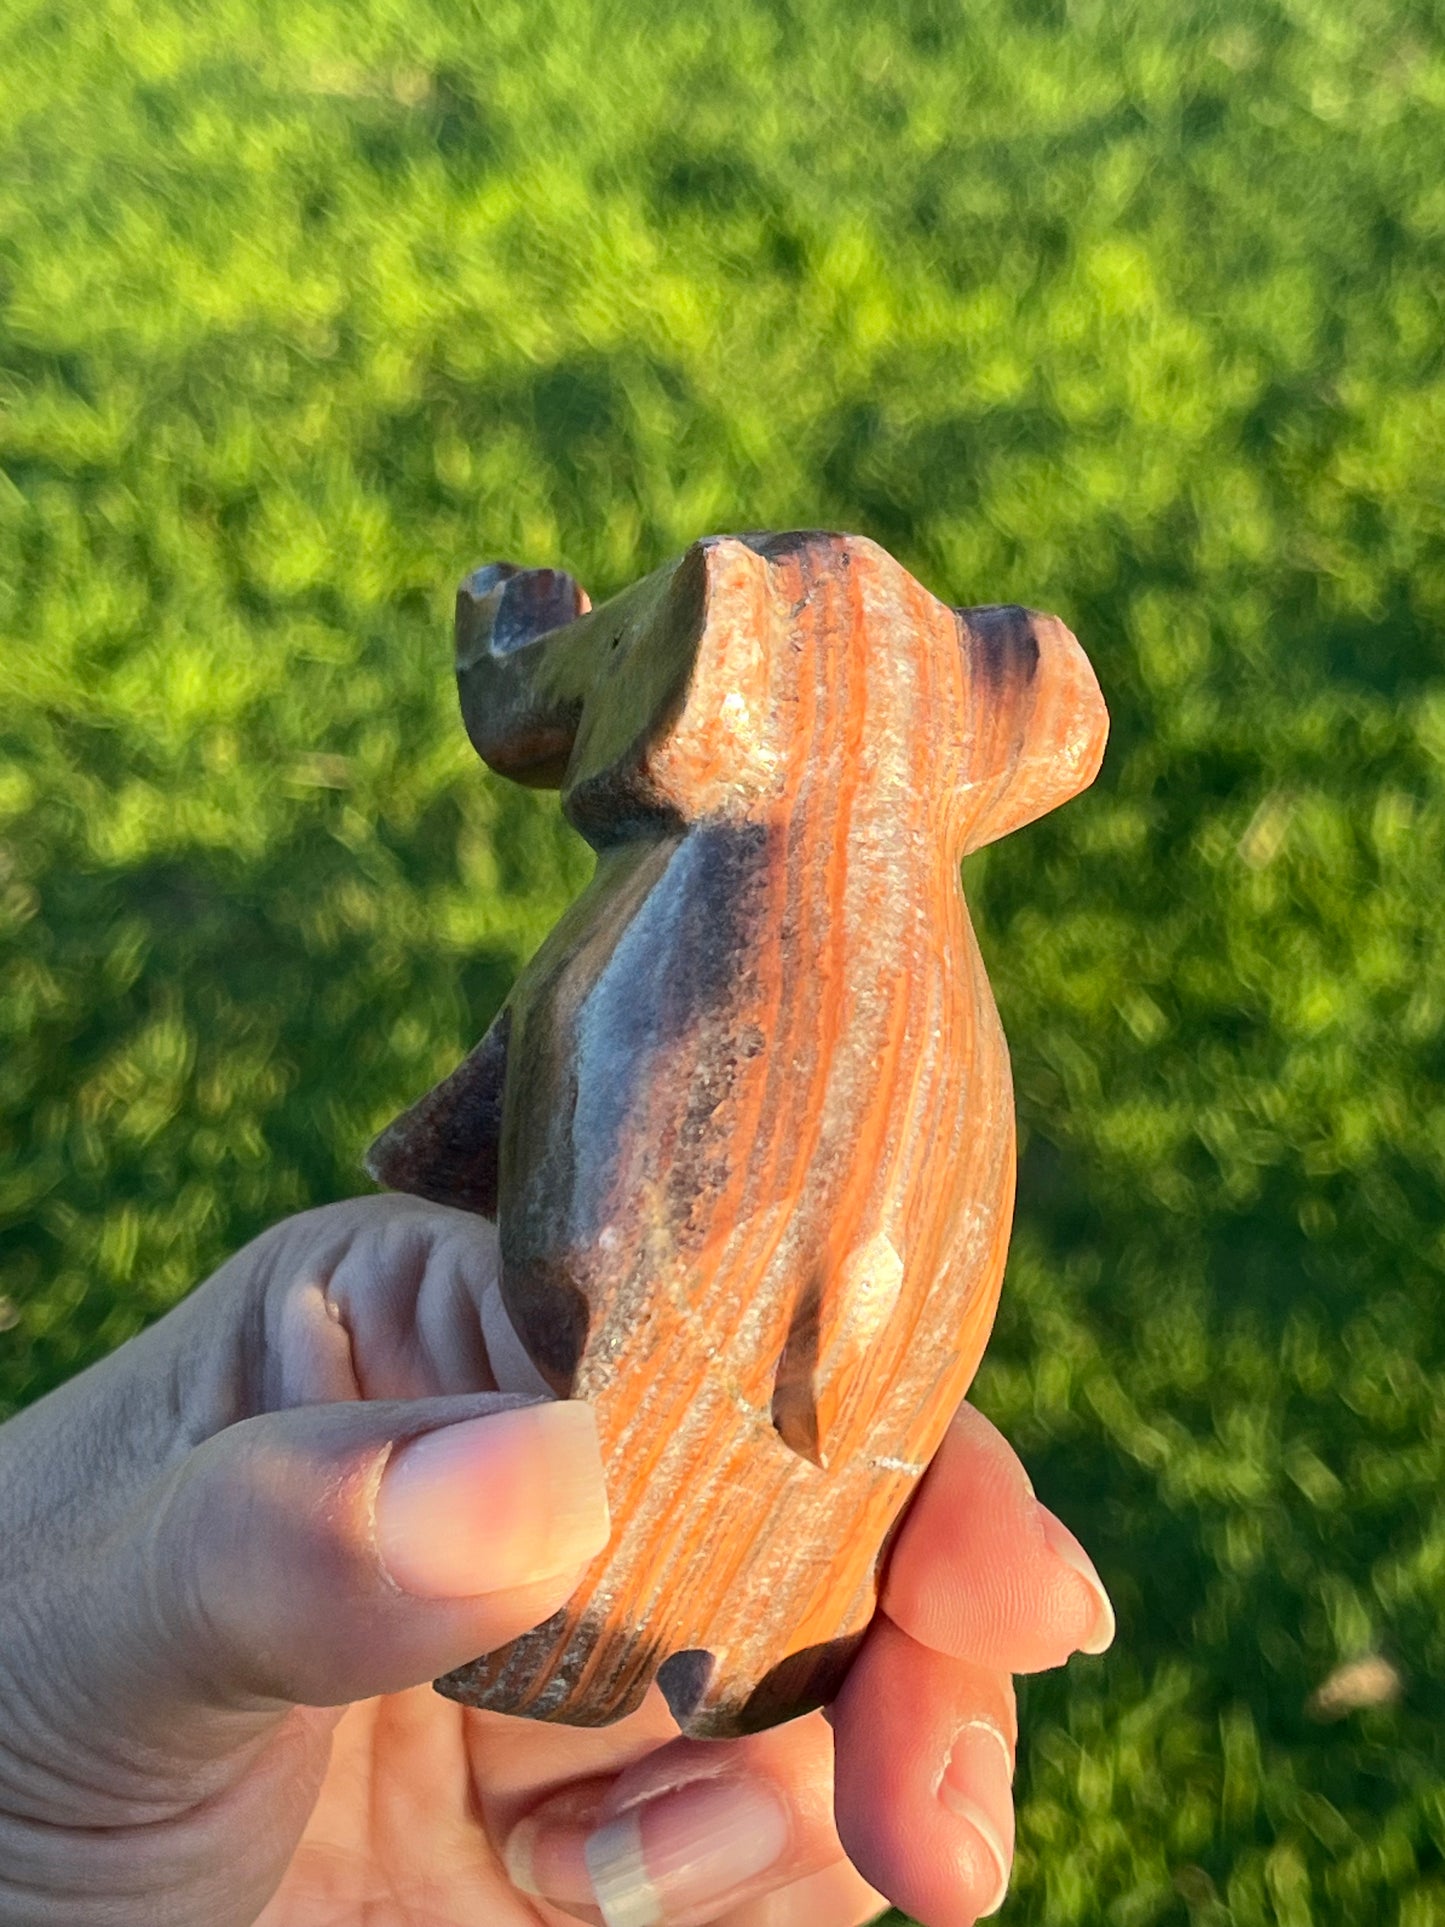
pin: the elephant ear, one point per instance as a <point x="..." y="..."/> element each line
<point x="520" y="722"/>
<point x="560" y="695"/>
<point x="1037" y="724"/>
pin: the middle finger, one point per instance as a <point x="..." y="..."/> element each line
<point x="688" y="1834"/>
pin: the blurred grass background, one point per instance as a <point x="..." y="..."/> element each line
<point x="1132" y="312"/>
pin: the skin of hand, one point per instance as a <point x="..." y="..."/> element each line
<point x="237" y="1550"/>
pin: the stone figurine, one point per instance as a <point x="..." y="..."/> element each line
<point x="745" y="1120"/>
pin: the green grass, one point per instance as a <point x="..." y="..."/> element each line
<point x="1133" y="312"/>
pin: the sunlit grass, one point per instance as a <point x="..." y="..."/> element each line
<point x="1134" y="313"/>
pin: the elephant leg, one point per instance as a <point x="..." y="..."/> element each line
<point x="446" y="1147"/>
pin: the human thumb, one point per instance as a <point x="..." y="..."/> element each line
<point x="332" y="1552"/>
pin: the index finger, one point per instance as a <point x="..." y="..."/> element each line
<point x="982" y="1572"/>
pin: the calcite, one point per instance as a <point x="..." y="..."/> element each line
<point x="746" y="1119"/>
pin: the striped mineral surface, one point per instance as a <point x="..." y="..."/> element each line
<point x="746" y="1119"/>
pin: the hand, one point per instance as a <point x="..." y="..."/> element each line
<point x="237" y="1549"/>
